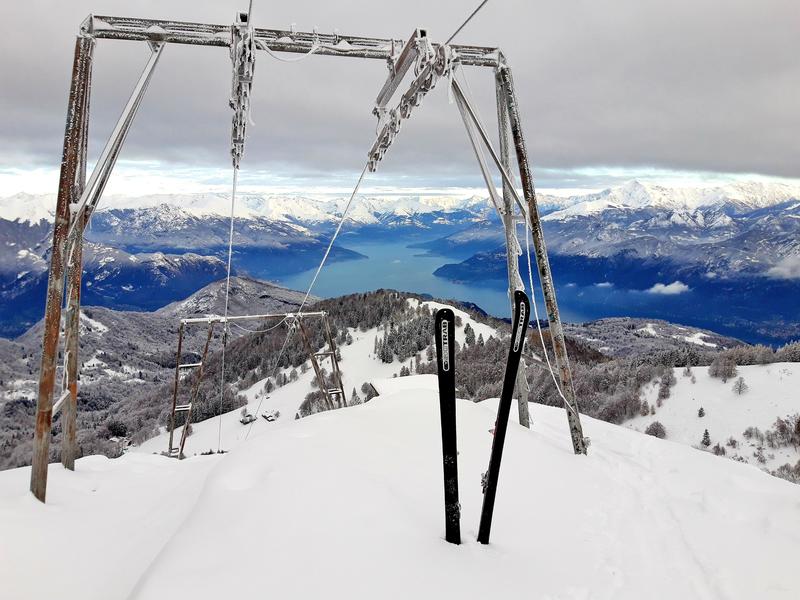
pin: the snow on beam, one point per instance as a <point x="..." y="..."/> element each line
<point x="217" y="319"/>
<point x="399" y="68"/>
<point x="277" y="40"/>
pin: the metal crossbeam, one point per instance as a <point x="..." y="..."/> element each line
<point x="277" y="40"/>
<point x="218" y="319"/>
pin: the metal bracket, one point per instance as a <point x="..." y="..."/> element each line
<point x="432" y="63"/>
<point x="398" y="67"/>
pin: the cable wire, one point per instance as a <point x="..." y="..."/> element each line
<point x="267" y="330"/>
<point x="226" y="327"/>
<point x="464" y="24"/>
<point x="313" y="281"/>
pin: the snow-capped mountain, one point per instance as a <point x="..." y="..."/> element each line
<point x="281" y="208"/>
<point x="733" y="197"/>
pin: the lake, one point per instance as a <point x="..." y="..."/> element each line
<point x="393" y="265"/>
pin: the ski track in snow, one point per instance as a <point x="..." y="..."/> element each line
<point x="348" y="504"/>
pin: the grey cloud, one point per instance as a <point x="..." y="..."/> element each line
<point x="787" y="268"/>
<point x="707" y="86"/>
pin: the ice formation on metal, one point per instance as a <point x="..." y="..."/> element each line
<point x="432" y="64"/>
<point x="243" y="55"/>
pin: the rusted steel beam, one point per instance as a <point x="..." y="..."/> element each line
<point x="543" y="264"/>
<point x="70" y="167"/>
<point x="69" y="445"/>
<point x="320" y="378"/>
<point x="187" y="423"/>
<point x="175" y="389"/>
<point x="69" y="442"/>
<point x="337" y="374"/>
<point x="512" y="242"/>
<point x="277" y="40"/>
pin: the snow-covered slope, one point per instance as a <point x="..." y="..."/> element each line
<point x="348" y="504"/>
<point x="742" y="196"/>
<point x="275" y="207"/>
<point x="358" y="364"/>
<point x="771" y="394"/>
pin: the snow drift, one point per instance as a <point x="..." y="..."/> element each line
<point x="348" y="504"/>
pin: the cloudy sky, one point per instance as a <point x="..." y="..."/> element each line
<point x="610" y="89"/>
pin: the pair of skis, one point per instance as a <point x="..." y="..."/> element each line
<point x="445" y="359"/>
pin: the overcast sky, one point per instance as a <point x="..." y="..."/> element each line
<point x="609" y="89"/>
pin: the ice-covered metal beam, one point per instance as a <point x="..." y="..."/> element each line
<point x="277" y="40"/>
<point x="83" y="208"/>
<point x="399" y="68"/>
<point x="218" y="319"/>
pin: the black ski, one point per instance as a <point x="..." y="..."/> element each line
<point x="445" y="362"/>
<point x="519" y="328"/>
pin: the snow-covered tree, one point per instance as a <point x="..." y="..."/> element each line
<point x="469" y="335"/>
<point x="701" y="413"/>
<point x="368" y="391"/>
<point x="706" y="441"/>
<point x="355" y="398"/>
<point x="740" y="387"/>
<point x="723" y="367"/>
<point x="656" y="429"/>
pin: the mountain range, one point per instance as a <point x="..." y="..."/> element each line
<point x="668" y="245"/>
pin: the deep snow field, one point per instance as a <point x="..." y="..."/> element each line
<point x="348" y="504"/>
<point x="773" y="391"/>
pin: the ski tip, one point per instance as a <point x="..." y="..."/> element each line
<point x="521" y="296"/>
<point x="445" y="314"/>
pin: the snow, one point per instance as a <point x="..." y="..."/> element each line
<point x="103" y="525"/>
<point x="697" y="338"/>
<point x="348" y="504"/>
<point x="28" y="207"/>
<point x="649" y="330"/>
<point x="371" y="209"/>
<point x="358" y="365"/>
<point x="748" y="195"/>
<point x="95" y="326"/>
<point x="772" y="393"/>
<point x="480" y="328"/>
<point x="396" y="385"/>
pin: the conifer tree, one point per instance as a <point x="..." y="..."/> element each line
<point x="706" y="441"/>
<point x="701" y="413"/>
<point x="469" y="335"/>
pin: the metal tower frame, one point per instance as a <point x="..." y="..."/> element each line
<point x="77" y="197"/>
<point x="334" y="396"/>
